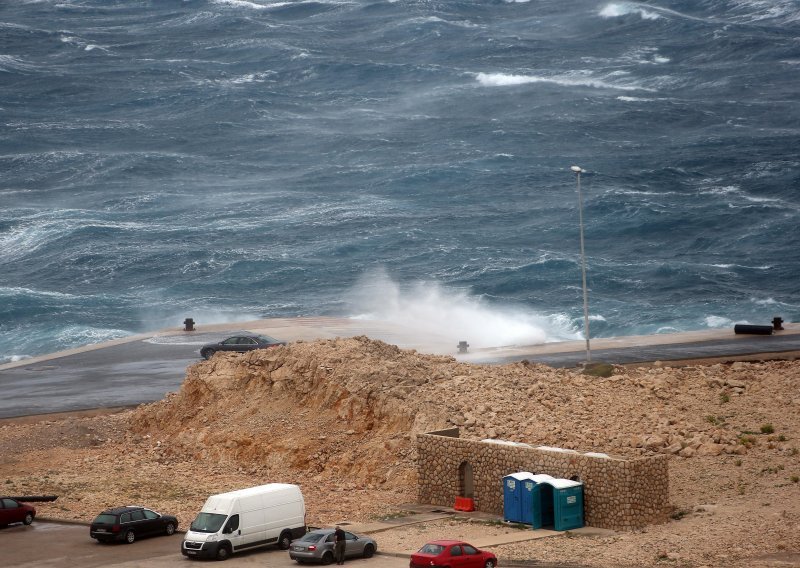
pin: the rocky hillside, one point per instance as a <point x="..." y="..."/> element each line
<point x="339" y="417"/>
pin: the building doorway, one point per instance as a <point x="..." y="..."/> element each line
<point x="466" y="484"/>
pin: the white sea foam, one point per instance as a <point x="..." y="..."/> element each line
<point x="20" y="291"/>
<point x="79" y="335"/>
<point x="244" y="4"/>
<point x="717" y="322"/>
<point x="506" y="79"/>
<point x="617" y="9"/>
<point x="430" y="315"/>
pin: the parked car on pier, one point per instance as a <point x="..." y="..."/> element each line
<point x="317" y="546"/>
<point x="13" y="511"/>
<point x="126" y="524"/>
<point x="451" y="554"/>
<point x="240" y="344"/>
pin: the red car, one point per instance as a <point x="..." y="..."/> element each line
<point x="451" y="554"/>
<point x="12" y="511"/>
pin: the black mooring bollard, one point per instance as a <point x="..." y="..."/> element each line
<point x="188" y="324"/>
<point x="752" y="329"/>
<point x="463" y="346"/>
<point x="777" y="323"/>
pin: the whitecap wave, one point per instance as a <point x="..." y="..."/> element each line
<point x="16" y="291"/>
<point x="429" y="316"/>
<point x="718" y="322"/>
<point x="75" y="335"/>
<point x="506" y="79"/>
<point x="13" y="358"/>
<point x="618" y="9"/>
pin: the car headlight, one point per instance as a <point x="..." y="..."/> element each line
<point x="212" y="538"/>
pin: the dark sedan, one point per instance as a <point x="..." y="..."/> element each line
<point x="126" y="524"/>
<point x="240" y="344"/>
<point x="12" y="511"/>
<point x="317" y="546"/>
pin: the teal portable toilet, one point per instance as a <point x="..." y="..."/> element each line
<point x="558" y="502"/>
<point x="512" y="495"/>
<point x="527" y="497"/>
<point x="567" y="504"/>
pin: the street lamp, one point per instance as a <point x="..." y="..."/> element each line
<point x="578" y="171"/>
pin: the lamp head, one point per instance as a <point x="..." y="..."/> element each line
<point x="577" y="169"/>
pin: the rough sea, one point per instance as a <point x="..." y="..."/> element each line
<point x="400" y="160"/>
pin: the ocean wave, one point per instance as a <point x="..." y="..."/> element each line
<point x="16" y="292"/>
<point x="754" y="11"/>
<point x="618" y="9"/>
<point x="10" y="63"/>
<point x="76" y="335"/>
<point x="506" y="79"/>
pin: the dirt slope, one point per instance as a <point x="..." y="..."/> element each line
<point x="339" y="417"/>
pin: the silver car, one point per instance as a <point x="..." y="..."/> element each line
<point x="317" y="546"/>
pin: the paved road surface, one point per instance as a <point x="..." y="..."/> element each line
<point x="143" y="369"/>
<point x="57" y="545"/>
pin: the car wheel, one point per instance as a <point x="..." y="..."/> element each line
<point x="28" y="518"/>
<point x="285" y="541"/>
<point x="130" y="537"/>
<point x="489" y="564"/>
<point x="170" y="529"/>
<point x="369" y="550"/>
<point x="223" y="552"/>
<point x="327" y="558"/>
<point x="207" y="353"/>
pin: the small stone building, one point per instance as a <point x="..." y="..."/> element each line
<point x="619" y="494"/>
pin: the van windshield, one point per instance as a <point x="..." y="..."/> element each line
<point x="208" y="522"/>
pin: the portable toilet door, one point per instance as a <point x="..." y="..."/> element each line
<point x="568" y="498"/>
<point x="526" y="501"/>
<point x="527" y="496"/>
<point x="542" y="510"/>
<point x="512" y="496"/>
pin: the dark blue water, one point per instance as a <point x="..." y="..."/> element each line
<point x="408" y="160"/>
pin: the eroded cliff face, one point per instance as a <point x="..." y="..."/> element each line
<point x="353" y="407"/>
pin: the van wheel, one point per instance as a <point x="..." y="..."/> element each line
<point x="369" y="550"/>
<point x="223" y="552"/>
<point x="285" y="541"/>
<point x="327" y="558"/>
<point x="130" y="537"/>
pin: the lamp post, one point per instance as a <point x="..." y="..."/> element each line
<point x="578" y="171"/>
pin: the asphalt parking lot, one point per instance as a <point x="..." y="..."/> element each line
<point x="68" y="545"/>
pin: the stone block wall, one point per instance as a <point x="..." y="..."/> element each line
<point x="618" y="494"/>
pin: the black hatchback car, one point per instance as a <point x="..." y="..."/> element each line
<point x="240" y="344"/>
<point x="126" y="524"/>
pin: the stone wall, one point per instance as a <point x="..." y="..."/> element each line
<point x="618" y="494"/>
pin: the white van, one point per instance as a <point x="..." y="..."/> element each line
<point x="245" y="519"/>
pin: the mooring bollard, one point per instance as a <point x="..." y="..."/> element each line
<point x="777" y="323"/>
<point x="188" y="324"/>
<point x="752" y="329"/>
<point x="463" y="346"/>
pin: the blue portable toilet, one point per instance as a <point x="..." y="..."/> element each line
<point x="512" y="495"/>
<point x="527" y="497"/>
<point x="558" y="502"/>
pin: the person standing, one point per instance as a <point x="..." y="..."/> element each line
<point x="339" y="544"/>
